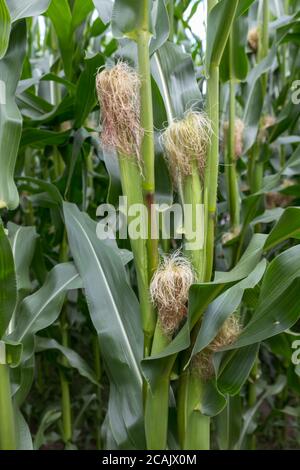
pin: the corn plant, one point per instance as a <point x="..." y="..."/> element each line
<point x="151" y="331"/>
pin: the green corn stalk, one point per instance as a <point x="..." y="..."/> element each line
<point x="252" y="397"/>
<point x="131" y="181"/>
<point x="98" y="373"/>
<point x="192" y="418"/>
<point x="211" y="173"/>
<point x="189" y="421"/>
<point x="171" y="19"/>
<point x="256" y="166"/>
<point x="8" y="298"/>
<point x="7" y="424"/>
<point x="230" y="157"/>
<point x="156" y="402"/>
<point x="147" y="149"/>
<point x="193" y="197"/>
<point x="193" y="426"/>
<point x="65" y="388"/>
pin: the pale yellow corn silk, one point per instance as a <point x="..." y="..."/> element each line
<point x="202" y="363"/>
<point x="169" y="290"/>
<point x="118" y="92"/>
<point x="187" y="140"/>
<point x="239" y="128"/>
<point x="253" y="38"/>
<point x="266" y="122"/>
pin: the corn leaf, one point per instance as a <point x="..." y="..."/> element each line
<point x="60" y="14"/>
<point x="26" y="8"/>
<point x="279" y="302"/>
<point x="42" y="308"/>
<point x="127" y="16"/>
<point x="115" y="314"/>
<point x="288" y="226"/>
<point x="224" y="306"/>
<point x="74" y="360"/>
<point x="228" y="423"/>
<point x="219" y="23"/>
<point x="174" y="74"/>
<point x="248" y="417"/>
<point x="48" y="419"/>
<point x="10" y="118"/>
<point x="22" y="240"/>
<point x="292" y="166"/>
<point x="8" y="287"/>
<point x="80" y="12"/>
<point x="5" y="27"/>
<point x="86" y="98"/>
<point x="23" y="436"/>
<point x="104" y="9"/>
<point x="235" y="368"/>
<point x="22" y="379"/>
<point x="201" y="295"/>
<point x="254" y="99"/>
<point x="239" y="66"/>
<point x="10" y="352"/>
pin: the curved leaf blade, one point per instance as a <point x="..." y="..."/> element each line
<point x="288" y="226"/>
<point x="115" y="314"/>
<point x="22" y="240"/>
<point x="42" y="308"/>
<point x="74" y="359"/>
<point x="8" y="286"/>
<point x="26" y="8"/>
<point x="219" y="23"/>
<point x="10" y="117"/>
<point x="5" y="27"/>
<point x="279" y="302"/>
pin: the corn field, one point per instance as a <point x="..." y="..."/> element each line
<point x="149" y="224"/>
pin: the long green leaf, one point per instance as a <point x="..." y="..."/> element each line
<point x="26" y="8"/>
<point x="42" y="308"/>
<point x="105" y="9"/>
<point x="8" y="287"/>
<point x="239" y="67"/>
<point x="10" y="118"/>
<point x="200" y="296"/>
<point x="219" y="23"/>
<point x="254" y="100"/>
<point x="224" y="306"/>
<point x="115" y="314"/>
<point x="23" y="436"/>
<point x="22" y="240"/>
<point x="75" y="361"/>
<point x="279" y="303"/>
<point x="174" y="74"/>
<point x="248" y="417"/>
<point x="86" y="98"/>
<point x="288" y="226"/>
<point x="5" y="27"/>
<point x="60" y="14"/>
<point x="235" y="368"/>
